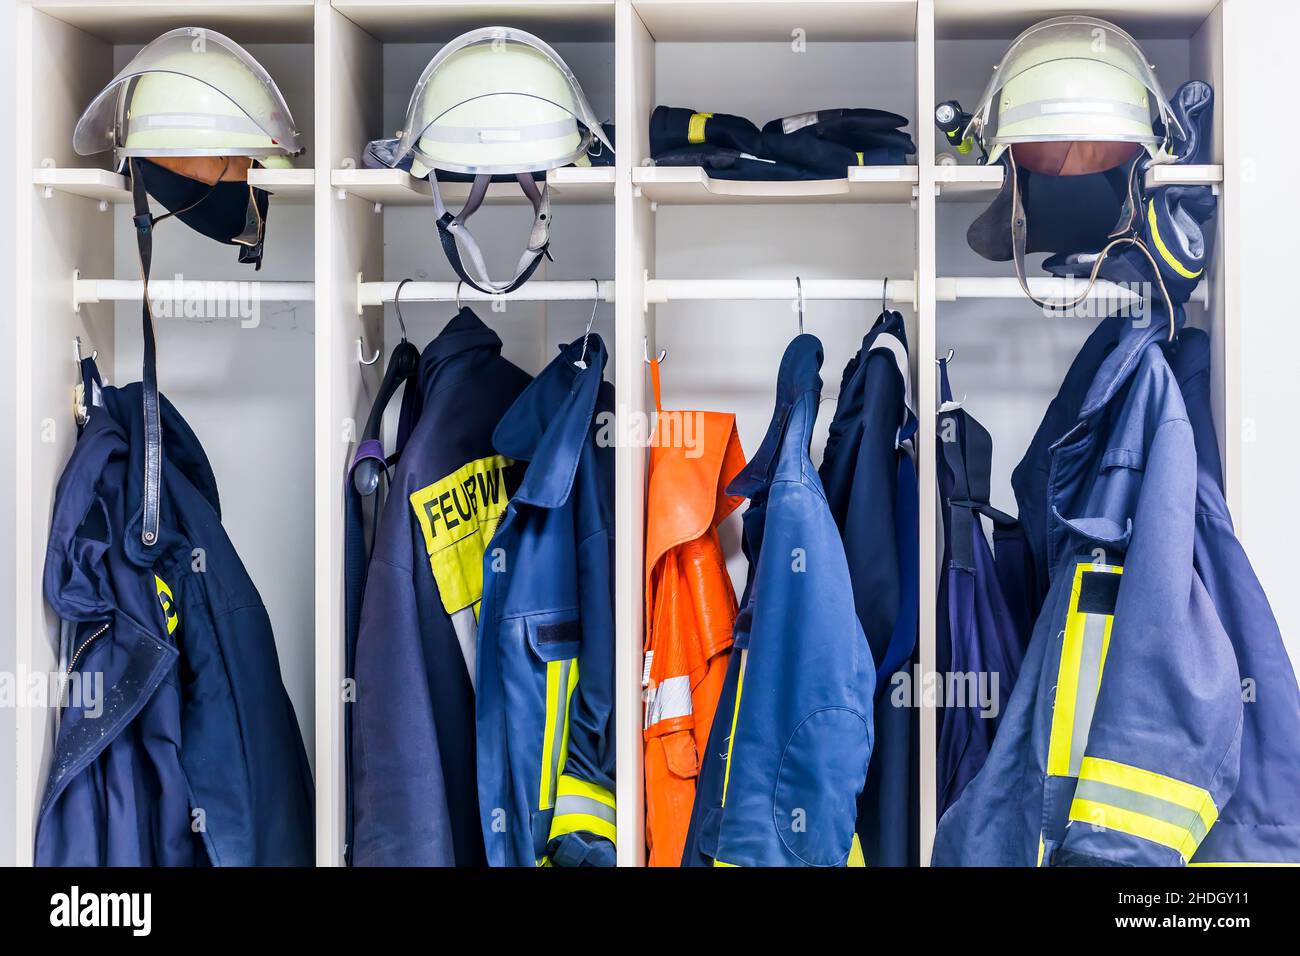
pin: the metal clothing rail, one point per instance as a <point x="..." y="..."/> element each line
<point x="1046" y="287"/>
<point x="185" y="291"/>
<point x="659" y="291"/>
<point x="535" y="290"/>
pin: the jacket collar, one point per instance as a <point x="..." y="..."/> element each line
<point x="464" y="332"/>
<point x="798" y="388"/>
<point x="687" y="494"/>
<point x="1118" y="367"/>
<point x="549" y="422"/>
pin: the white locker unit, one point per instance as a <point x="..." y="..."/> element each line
<point x="243" y="381"/>
<point x="704" y="269"/>
<point x="376" y="227"/>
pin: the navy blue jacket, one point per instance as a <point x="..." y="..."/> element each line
<point x="792" y="735"/>
<point x="870" y="481"/>
<point x="413" y="759"/>
<point x="196" y="757"/>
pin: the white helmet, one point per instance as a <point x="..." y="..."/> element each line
<point x="190" y="114"/>
<point x="191" y="92"/>
<point x="496" y="101"/>
<point x="1083" y="89"/>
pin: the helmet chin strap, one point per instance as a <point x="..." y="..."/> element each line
<point x="1127" y="235"/>
<point x="144" y="222"/>
<point x="451" y="228"/>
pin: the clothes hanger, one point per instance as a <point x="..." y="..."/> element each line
<point x="798" y="284"/>
<point x="582" y="359"/>
<point x="402" y="367"/>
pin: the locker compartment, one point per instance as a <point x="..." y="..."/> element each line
<point x="778" y="60"/>
<point x="234" y="345"/>
<point x="1009" y="358"/>
<point x="719" y="259"/>
<point x="381" y="230"/>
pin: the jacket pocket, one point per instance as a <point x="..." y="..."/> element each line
<point x="555" y="637"/>
<point x="823" y="769"/>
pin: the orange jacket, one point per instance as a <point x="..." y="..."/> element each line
<point x="690" y="609"/>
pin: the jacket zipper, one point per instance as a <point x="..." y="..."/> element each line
<point x="67" y="676"/>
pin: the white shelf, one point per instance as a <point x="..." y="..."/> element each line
<point x="286" y="185"/>
<point x="771" y="21"/>
<point x="395" y="187"/>
<point x="981" y="183"/>
<point x="692" y="186"/>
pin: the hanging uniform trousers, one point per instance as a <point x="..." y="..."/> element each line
<point x="192" y="724"/>
<point x="545" y="704"/>
<point x="791" y="739"/>
<point x="977" y="634"/>
<point x="690" y="609"/>
<point x="1155" y="759"/>
<point x="413" y="740"/>
<point x="870" y="480"/>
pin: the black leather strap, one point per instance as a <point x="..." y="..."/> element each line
<point x="149" y="378"/>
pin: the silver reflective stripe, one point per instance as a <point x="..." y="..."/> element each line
<point x="1085" y="698"/>
<point x="505" y="134"/>
<point x="572" y="804"/>
<point x="465" y="624"/>
<point x="559" y="709"/>
<point x="1124" y="799"/>
<point x="229" y="124"/>
<point x="1039" y="108"/>
<point x="671" y="698"/>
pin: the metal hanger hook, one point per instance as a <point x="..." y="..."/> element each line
<point x="361" y="354"/>
<point x="397" y="306"/>
<point x="884" y="295"/>
<point x="645" y="350"/>
<point x="947" y="358"/>
<point x="595" y="303"/>
<point x="798" y="284"/>
<point x="458" y="282"/>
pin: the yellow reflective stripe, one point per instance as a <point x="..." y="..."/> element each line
<point x="856" y="857"/>
<point x="1179" y="839"/>
<point x="720" y="863"/>
<point x="1041" y="848"/>
<point x="564" y="823"/>
<point x="695" y="128"/>
<point x="1072" y="710"/>
<point x="1186" y="795"/>
<point x="568" y="698"/>
<point x="561" y="679"/>
<point x="1243" y="864"/>
<point x="735" y="716"/>
<point x="548" y="738"/>
<point x="1165" y="254"/>
<point x="573" y="787"/>
<point x="861" y="161"/>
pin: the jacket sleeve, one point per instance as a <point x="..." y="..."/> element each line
<point x="583" y="826"/>
<point x="1162" y="753"/>
<point x="401" y="816"/>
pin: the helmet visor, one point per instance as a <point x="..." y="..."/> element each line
<point x="497" y="100"/>
<point x="249" y="101"/>
<point x="1073" y="78"/>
